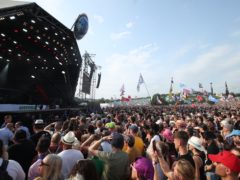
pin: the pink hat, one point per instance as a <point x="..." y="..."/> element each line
<point x="167" y="134"/>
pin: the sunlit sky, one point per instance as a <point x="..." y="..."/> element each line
<point x="191" y="41"/>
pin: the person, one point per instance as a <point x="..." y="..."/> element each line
<point x="116" y="163"/>
<point x="235" y="134"/>
<point x="180" y="143"/>
<point x="132" y="152"/>
<point x="139" y="144"/>
<point x="22" y="150"/>
<point x="7" y="119"/>
<point x="38" y="129"/>
<point x="142" y="169"/>
<point x="42" y="150"/>
<point x="84" y="170"/>
<point x="50" y="168"/>
<point x="197" y="149"/>
<point x="227" y="165"/>
<point x="55" y="146"/>
<point x="14" y="169"/>
<point x="6" y="134"/>
<point x="69" y="155"/>
<point x="19" y="125"/>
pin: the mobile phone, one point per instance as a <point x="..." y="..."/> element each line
<point x="154" y="145"/>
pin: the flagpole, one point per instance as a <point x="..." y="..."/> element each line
<point x="147" y="89"/>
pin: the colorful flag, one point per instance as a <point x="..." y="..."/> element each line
<point x="212" y="99"/>
<point x="140" y="81"/>
<point x="122" y="90"/>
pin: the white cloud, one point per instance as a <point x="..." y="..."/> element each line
<point x="129" y="24"/>
<point x="125" y="68"/>
<point x="118" y="36"/>
<point x="98" y="18"/>
<point x="235" y="34"/>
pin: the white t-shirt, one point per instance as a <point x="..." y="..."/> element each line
<point x="14" y="169"/>
<point x="106" y="146"/>
<point x="69" y="158"/>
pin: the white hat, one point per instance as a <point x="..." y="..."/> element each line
<point x="69" y="138"/>
<point x="159" y="121"/>
<point x="39" y="121"/>
<point x="196" y="143"/>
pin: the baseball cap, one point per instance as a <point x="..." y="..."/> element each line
<point x="39" y="121"/>
<point x="110" y="125"/>
<point x="228" y="159"/>
<point x="235" y="132"/>
<point x="134" y="128"/>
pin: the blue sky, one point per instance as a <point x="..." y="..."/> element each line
<point x="191" y="41"/>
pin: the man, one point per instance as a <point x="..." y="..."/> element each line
<point x="19" y="125"/>
<point x="132" y="152"/>
<point x="235" y="134"/>
<point x="7" y="119"/>
<point x="6" y="134"/>
<point x="38" y="129"/>
<point x="13" y="168"/>
<point x="22" y="150"/>
<point x="116" y="163"/>
<point x="227" y="165"/>
<point x="139" y="144"/>
<point x="180" y="143"/>
<point x="69" y="156"/>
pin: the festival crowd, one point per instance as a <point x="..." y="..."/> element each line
<point x="140" y="143"/>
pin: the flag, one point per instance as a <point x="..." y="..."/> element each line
<point x="181" y="85"/>
<point x="200" y="85"/>
<point x="158" y="100"/>
<point x="140" y="81"/>
<point x="226" y="87"/>
<point x="212" y="99"/>
<point x="171" y="88"/>
<point x="122" y="90"/>
<point x="199" y="98"/>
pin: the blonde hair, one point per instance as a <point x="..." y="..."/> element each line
<point x="185" y="169"/>
<point x="53" y="171"/>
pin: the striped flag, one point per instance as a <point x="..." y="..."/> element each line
<point x="140" y="81"/>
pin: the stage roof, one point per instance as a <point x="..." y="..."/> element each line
<point x="39" y="56"/>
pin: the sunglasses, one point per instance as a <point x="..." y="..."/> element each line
<point x="44" y="164"/>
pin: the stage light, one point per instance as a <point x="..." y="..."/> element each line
<point x="3" y="35"/>
<point x="64" y="38"/>
<point x="38" y="37"/>
<point x="2" y="18"/>
<point x="46" y="28"/>
<point x="73" y="54"/>
<point x="9" y="50"/>
<point x="75" y="59"/>
<point x="46" y="67"/>
<point x="33" y="21"/>
<point x="61" y="54"/>
<point x="56" y="34"/>
<point x="60" y="63"/>
<point x="28" y="59"/>
<point x="42" y="67"/>
<point x="35" y="67"/>
<point x="25" y="30"/>
<point x="19" y="55"/>
<point x="77" y="64"/>
<point x="63" y="72"/>
<point x="12" y="17"/>
<point x="15" y="42"/>
<point x="56" y="58"/>
<point x="55" y="49"/>
<point x="1" y="57"/>
<point x="32" y="76"/>
<point x="53" y="68"/>
<point x="39" y="57"/>
<point x="7" y="60"/>
<point x="71" y="47"/>
<point x="46" y="42"/>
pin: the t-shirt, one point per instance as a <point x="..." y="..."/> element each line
<point x="187" y="157"/>
<point x="69" y="158"/>
<point x="116" y="165"/>
<point x="133" y="153"/>
<point x="139" y="144"/>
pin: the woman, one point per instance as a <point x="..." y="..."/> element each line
<point x="195" y="146"/>
<point x="84" y="170"/>
<point x="50" y="168"/>
<point x="142" y="169"/>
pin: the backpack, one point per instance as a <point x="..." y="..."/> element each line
<point x="3" y="171"/>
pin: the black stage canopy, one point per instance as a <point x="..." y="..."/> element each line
<point x="39" y="57"/>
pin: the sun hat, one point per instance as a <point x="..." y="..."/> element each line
<point x="227" y="159"/>
<point x="69" y="138"/>
<point x="196" y="143"/>
<point x="144" y="168"/>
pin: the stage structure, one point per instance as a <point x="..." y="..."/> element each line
<point x="87" y="80"/>
<point x="39" y="57"/>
